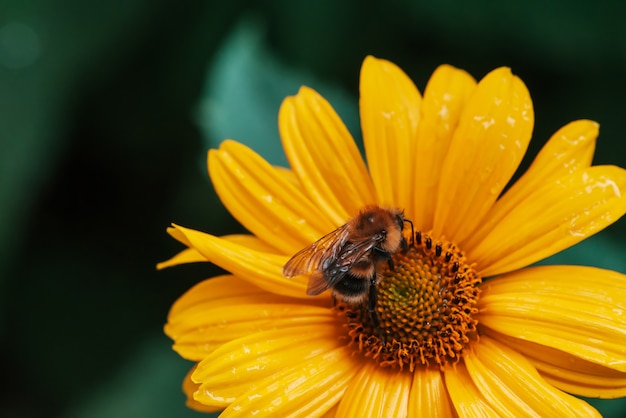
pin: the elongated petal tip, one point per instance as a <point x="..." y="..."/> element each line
<point x="390" y="107"/>
<point x="324" y="156"/>
<point x="487" y="147"/>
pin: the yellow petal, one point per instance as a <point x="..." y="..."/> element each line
<point x="324" y="156"/>
<point x="238" y="366"/>
<point x="467" y="400"/>
<point x="289" y="176"/>
<point x="578" y="310"/>
<point x="569" y="373"/>
<point x="310" y="389"/>
<point x="259" y="268"/>
<point x="191" y="255"/>
<point x="429" y="393"/>
<point x="226" y="289"/>
<point x="376" y="392"/>
<point x="188" y="255"/>
<point x="224" y="308"/>
<point x="201" y="335"/>
<point x="512" y="386"/>
<point x="560" y="214"/>
<point x="610" y="385"/>
<point x="216" y="288"/>
<point x="487" y="147"/>
<point x="390" y="113"/>
<point x="331" y="413"/>
<point x="250" y="241"/>
<point x="189" y="388"/>
<point x="569" y="150"/>
<point x="263" y="200"/>
<point x="445" y="96"/>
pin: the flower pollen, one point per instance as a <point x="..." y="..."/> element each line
<point x="425" y="307"/>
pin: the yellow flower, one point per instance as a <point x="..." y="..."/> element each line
<point x="466" y="328"/>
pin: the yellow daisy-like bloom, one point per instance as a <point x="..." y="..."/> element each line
<point x="466" y="328"/>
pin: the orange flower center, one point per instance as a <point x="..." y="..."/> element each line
<point x="425" y="308"/>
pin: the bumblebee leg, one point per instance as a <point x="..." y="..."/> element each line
<point x="371" y="303"/>
<point x="371" y="307"/>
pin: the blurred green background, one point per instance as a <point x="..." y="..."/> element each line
<point x="107" y="110"/>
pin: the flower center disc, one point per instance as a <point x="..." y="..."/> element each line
<point x="425" y="308"/>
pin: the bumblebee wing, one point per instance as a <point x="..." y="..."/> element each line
<point x="317" y="283"/>
<point x="332" y="271"/>
<point x="322" y="251"/>
<point x="351" y="253"/>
